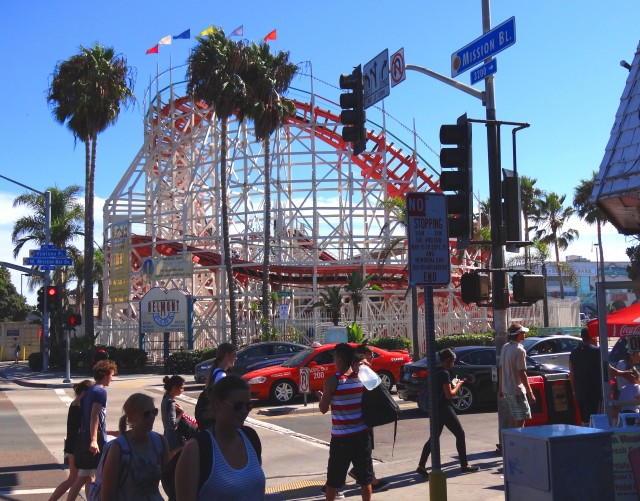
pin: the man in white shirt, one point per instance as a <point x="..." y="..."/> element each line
<point x="513" y="384"/>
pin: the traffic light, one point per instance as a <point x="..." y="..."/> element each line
<point x="73" y="321"/>
<point x="353" y="115"/>
<point x="41" y="300"/>
<point x="459" y="178"/>
<point x="54" y="301"/>
<point x="474" y="287"/>
<point x="511" y="208"/>
<point x="528" y="288"/>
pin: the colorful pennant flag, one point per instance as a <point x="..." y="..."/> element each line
<point x="209" y="31"/>
<point x="238" y="32"/>
<point x="183" y="36"/>
<point x="153" y="50"/>
<point x="165" y="40"/>
<point x="271" y="36"/>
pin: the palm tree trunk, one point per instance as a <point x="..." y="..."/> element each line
<point x="267" y="239"/>
<point x="225" y="231"/>
<point x="90" y="164"/>
<point x="558" y="268"/>
<point x="600" y="250"/>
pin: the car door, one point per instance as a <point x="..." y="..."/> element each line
<point x="321" y="365"/>
<point x="476" y="366"/>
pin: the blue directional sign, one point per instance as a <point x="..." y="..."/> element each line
<point x="484" y="71"/>
<point x="47" y="261"/>
<point x="489" y="44"/>
<point x="48" y="253"/>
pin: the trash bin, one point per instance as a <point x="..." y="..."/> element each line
<point x="561" y="406"/>
<point x="557" y="462"/>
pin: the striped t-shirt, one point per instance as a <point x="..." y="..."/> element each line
<point x="346" y="407"/>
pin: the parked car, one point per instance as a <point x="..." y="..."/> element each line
<point x="280" y="383"/>
<point x="252" y="357"/>
<point x="475" y="363"/>
<point x="551" y="349"/>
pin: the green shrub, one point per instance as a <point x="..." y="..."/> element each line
<point x="455" y="340"/>
<point x="185" y="361"/>
<point x="391" y="343"/>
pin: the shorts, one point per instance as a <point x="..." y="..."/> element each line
<point x="344" y="451"/>
<point x="87" y="473"/>
<point x="518" y="406"/>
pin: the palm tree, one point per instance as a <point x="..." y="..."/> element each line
<point x="356" y="285"/>
<point x="550" y="217"/>
<point x="98" y="278"/>
<point x="214" y="74"/>
<point x="529" y="194"/>
<point x="332" y="301"/>
<point x="590" y="212"/>
<point x="268" y="78"/>
<point x="86" y="94"/>
<point x="66" y="224"/>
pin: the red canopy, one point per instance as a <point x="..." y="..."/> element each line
<point x="621" y="323"/>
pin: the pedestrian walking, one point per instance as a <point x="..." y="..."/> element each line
<point x="585" y="375"/>
<point x="228" y="453"/>
<point x="225" y="358"/>
<point x="513" y="384"/>
<point x="93" y="429"/>
<point x="446" y="390"/>
<point x="74" y="417"/>
<point x="350" y="438"/>
<point x="135" y="460"/>
<point x="177" y="428"/>
<point x="16" y="352"/>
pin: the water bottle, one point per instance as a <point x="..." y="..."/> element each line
<point x="369" y="379"/>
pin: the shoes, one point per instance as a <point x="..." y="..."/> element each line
<point x="469" y="469"/>
<point x="381" y="486"/>
<point x="422" y="471"/>
<point x="339" y="495"/>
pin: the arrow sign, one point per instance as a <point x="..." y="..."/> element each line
<point x="47" y="261"/>
<point x="484" y="71"/>
<point x="489" y="44"/>
<point x="48" y="253"/>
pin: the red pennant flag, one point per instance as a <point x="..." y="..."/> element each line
<point x="153" y="50"/>
<point x="271" y="36"/>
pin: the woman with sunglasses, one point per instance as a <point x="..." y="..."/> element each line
<point x="146" y="454"/>
<point x="236" y="472"/>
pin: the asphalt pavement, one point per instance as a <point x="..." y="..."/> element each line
<point x="295" y="464"/>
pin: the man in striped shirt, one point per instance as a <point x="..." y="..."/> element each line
<point x="350" y="438"/>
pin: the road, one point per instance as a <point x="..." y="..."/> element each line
<point x="294" y="445"/>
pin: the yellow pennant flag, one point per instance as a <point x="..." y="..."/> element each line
<point x="209" y="31"/>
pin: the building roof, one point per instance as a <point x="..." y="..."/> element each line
<point x="617" y="188"/>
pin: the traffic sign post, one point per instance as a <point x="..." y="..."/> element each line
<point x="484" y="71"/>
<point x="376" y="79"/>
<point x="305" y="382"/>
<point x="397" y="68"/>
<point x="427" y="232"/>
<point x="484" y="47"/>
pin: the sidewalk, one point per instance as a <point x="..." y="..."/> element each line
<point x="295" y="469"/>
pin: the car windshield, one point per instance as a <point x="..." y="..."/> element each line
<point x="528" y="343"/>
<point x="298" y="358"/>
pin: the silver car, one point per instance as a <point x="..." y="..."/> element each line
<point x="552" y="350"/>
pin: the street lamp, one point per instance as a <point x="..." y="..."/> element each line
<point x="45" y="275"/>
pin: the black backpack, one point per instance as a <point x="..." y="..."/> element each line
<point x="379" y="408"/>
<point x="206" y="460"/>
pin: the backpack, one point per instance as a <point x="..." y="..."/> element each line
<point x="203" y="412"/>
<point x="94" y="493"/>
<point x="379" y="408"/>
<point x="206" y="460"/>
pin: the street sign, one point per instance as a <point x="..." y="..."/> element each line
<point x="397" y="68"/>
<point x="376" y="79"/>
<point x="285" y="293"/>
<point x="48" y="247"/>
<point x="427" y="232"/>
<point x="48" y="253"/>
<point x="284" y="311"/>
<point x="305" y="376"/>
<point x="489" y="44"/>
<point x="47" y="261"/>
<point x="484" y="71"/>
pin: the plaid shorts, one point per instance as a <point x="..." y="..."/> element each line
<point x="518" y="406"/>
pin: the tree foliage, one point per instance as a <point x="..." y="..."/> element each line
<point x="13" y="306"/>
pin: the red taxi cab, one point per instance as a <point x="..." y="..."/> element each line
<point x="280" y="383"/>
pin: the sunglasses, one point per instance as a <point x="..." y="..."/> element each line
<point x="240" y="405"/>
<point x="149" y="413"/>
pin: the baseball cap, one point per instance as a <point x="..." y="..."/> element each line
<point x="516" y="328"/>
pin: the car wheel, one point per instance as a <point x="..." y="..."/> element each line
<point x="387" y="379"/>
<point x="463" y="401"/>
<point x="283" y="391"/>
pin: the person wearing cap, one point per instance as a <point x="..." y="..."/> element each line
<point x="513" y="384"/>
<point x="585" y="375"/>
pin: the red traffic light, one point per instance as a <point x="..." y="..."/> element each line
<point x="52" y="291"/>
<point x="73" y="321"/>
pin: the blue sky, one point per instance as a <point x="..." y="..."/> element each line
<point x="562" y="76"/>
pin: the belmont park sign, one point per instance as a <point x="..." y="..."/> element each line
<point x="163" y="310"/>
